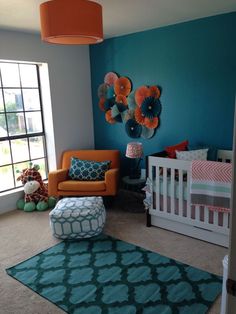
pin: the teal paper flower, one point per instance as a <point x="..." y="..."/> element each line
<point x="110" y="92"/>
<point x="117" y="112"/>
<point x="109" y="103"/>
<point x="131" y="101"/>
<point x="151" y="107"/>
<point x="133" y="129"/>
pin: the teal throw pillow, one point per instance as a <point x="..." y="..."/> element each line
<point x="88" y="170"/>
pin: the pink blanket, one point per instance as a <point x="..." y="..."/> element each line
<point x="210" y="184"/>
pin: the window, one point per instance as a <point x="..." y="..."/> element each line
<point x="22" y="135"/>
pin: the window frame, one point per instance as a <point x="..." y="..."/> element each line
<point x="26" y="135"/>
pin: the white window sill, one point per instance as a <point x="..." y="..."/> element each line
<point x="17" y="190"/>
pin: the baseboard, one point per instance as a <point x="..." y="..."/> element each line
<point x="191" y="231"/>
<point x="8" y="200"/>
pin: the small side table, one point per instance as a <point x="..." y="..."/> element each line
<point x="133" y="184"/>
<point x="131" y="195"/>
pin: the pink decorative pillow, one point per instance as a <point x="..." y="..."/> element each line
<point x="180" y="147"/>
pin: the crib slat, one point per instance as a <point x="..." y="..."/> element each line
<point x="206" y="214"/>
<point x="157" y="188"/>
<point x="215" y="218"/>
<point x="225" y="220"/>
<point x="180" y="196"/>
<point x="197" y="213"/>
<point x="165" y="189"/>
<point x="188" y="196"/>
<point x="172" y="190"/>
<point x="151" y="176"/>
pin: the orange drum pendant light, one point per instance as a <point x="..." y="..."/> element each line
<point x="71" y="22"/>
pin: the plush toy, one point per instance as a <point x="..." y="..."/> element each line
<point x="36" y="191"/>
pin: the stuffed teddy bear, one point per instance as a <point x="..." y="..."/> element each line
<point x="36" y="191"/>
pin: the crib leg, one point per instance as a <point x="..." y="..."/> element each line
<point x="148" y="219"/>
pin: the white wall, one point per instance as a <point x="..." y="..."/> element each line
<point x="70" y="84"/>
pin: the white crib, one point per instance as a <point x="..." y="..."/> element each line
<point x="170" y="207"/>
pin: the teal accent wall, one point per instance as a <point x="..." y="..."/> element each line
<point x="195" y="65"/>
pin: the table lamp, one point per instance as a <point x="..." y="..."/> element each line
<point x="134" y="150"/>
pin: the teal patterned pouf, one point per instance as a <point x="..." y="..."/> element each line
<point x="78" y="217"/>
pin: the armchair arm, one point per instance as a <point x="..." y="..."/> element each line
<point x="112" y="180"/>
<point x="54" y="177"/>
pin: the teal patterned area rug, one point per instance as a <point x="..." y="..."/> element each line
<point x="103" y="275"/>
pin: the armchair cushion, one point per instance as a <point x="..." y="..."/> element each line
<point x="83" y="186"/>
<point x="88" y="170"/>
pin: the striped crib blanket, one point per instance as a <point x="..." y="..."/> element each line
<point x="210" y="184"/>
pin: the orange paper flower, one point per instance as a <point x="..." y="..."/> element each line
<point x="140" y="94"/>
<point x="151" y="123"/>
<point x="139" y="117"/>
<point x="101" y="103"/>
<point x="109" y="118"/>
<point x="121" y="99"/>
<point x="155" y="91"/>
<point x="122" y="86"/>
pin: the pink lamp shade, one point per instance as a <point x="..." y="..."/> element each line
<point x="134" y="150"/>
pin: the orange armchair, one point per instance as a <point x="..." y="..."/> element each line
<point x="59" y="183"/>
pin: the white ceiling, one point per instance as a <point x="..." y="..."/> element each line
<point x="120" y="16"/>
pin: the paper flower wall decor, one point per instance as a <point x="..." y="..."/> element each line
<point x="147" y="133"/>
<point x="140" y="109"/>
<point x="109" y="118"/>
<point x="148" y="107"/>
<point x="113" y="97"/>
<point x="133" y="129"/>
<point x="118" y="112"/>
<point x="101" y="103"/>
<point x="109" y="103"/>
<point x="121" y="99"/>
<point x="131" y="101"/>
<point x="151" y="107"/>
<point x="102" y="90"/>
<point x="110" y="92"/>
<point x="155" y="91"/>
<point x="122" y="86"/>
<point x="110" y="78"/>
<point x="139" y="117"/>
<point x="140" y="94"/>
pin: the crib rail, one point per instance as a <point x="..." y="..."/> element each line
<point x="224" y="155"/>
<point x="171" y="199"/>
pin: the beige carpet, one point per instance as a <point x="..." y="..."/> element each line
<point x="23" y="235"/>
